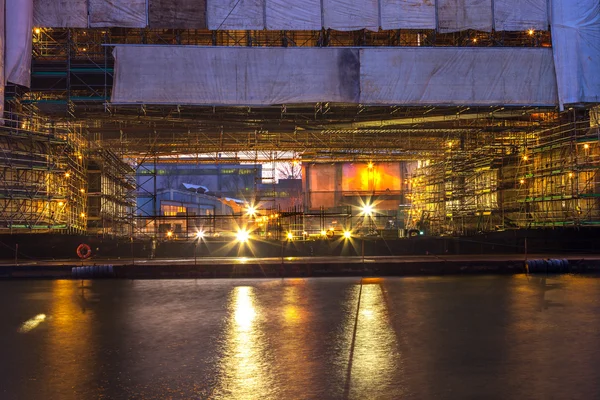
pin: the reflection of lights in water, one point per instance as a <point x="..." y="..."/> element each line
<point x="374" y="360"/>
<point x="243" y="369"/>
<point x="244" y="309"/>
<point x="32" y="323"/>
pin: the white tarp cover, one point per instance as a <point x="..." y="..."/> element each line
<point x="60" y="13"/>
<point x="458" y="76"/>
<point x="408" y="14"/>
<point x="293" y="15"/>
<point x="234" y="76"/>
<point x="236" y="14"/>
<point x="459" y="15"/>
<point x="119" y="13"/>
<point x="19" y="25"/>
<point x="576" y="46"/>
<point x="351" y="15"/>
<point x="177" y="14"/>
<point x="520" y="15"/>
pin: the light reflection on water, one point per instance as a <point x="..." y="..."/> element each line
<point x="491" y="337"/>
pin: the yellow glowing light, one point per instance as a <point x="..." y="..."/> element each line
<point x="82" y="215"/>
<point x="347" y="234"/>
<point x="531" y="32"/>
<point x="586" y="146"/>
<point x="67" y="174"/>
<point x="169" y="233"/>
<point x="522" y="181"/>
<point x="450" y="144"/>
<point x="200" y="234"/>
<point x="32" y="323"/>
<point x="242" y="236"/>
<point x="304" y="233"/>
<point x="80" y="157"/>
<point x="570" y="174"/>
<point x="290" y="235"/>
<point x="525" y="158"/>
<point x="323" y="233"/>
<point x="84" y="49"/>
<point x="60" y="204"/>
<point x="295" y="162"/>
<point x="251" y="210"/>
<point x="474" y="40"/>
<point x="82" y="190"/>
<point x="244" y="313"/>
<point x="370" y="165"/>
<point x="37" y="31"/>
<point x="367" y="209"/>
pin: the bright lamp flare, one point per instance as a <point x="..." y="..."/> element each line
<point x="242" y="236"/>
<point x="347" y="234"/>
<point x="367" y="209"/>
<point x="200" y="234"/>
<point x="251" y="211"/>
<point x="290" y="235"/>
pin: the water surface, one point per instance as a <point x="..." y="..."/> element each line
<point x="492" y="337"/>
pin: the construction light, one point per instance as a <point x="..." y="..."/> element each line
<point x="323" y="233"/>
<point x="82" y="215"/>
<point x="570" y="174"/>
<point x="290" y="236"/>
<point x="370" y="165"/>
<point x="67" y="174"/>
<point x="347" y="234"/>
<point x="474" y="40"/>
<point x="37" y="31"/>
<point x="60" y="204"/>
<point x="169" y="233"/>
<point x="522" y="181"/>
<point x="531" y="32"/>
<point x="242" y="236"/>
<point x="251" y="211"/>
<point x="200" y="234"/>
<point x="586" y="146"/>
<point x="525" y="158"/>
<point x="367" y="209"/>
<point x="82" y="190"/>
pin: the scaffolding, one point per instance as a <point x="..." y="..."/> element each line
<point x="42" y="177"/>
<point x="111" y="186"/>
<point x="530" y="178"/>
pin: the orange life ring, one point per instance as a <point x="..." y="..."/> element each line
<point x="84" y="251"/>
<point x="329" y="233"/>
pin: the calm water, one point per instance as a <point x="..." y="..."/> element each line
<point x="412" y="338"/>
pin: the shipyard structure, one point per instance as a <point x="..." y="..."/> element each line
<point x="132" y="125"/>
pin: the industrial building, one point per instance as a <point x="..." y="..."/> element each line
<point x="450" y="118"/>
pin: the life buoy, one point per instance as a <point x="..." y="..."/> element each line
<point x="84" y="251"/>
<point x="329" y="233"/>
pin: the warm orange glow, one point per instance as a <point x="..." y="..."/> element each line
<point x="570" y="174"/>
<point x="381" y="177"/>
<point x="82" y="215"/>
<point x="522" y="181"/>
<point x="82" y="190"/>
<point x="67" y="174"/>
<point x="525" y="158"/>
<point x="531" y="32"/>
<point x="586" y="146"/>
<point x="37" y="31"/>
<point x="242" y="236"/>
<point x="347" y="234"/>
<point x="60" y="204"/>
<point x="169" y="234"/>
<point x="290" y="235"/>
<point x="370" y="165"/>
<point x="474" y="40"/>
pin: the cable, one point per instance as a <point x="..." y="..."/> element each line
<point x="234" y="6"/>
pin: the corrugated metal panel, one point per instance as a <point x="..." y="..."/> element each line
<point x="118" y="13"/>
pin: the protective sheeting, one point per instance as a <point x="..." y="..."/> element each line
<point x="234" y="76"/>
<point x="458" y="76"/>
<point x="236" y="14"/>
<point x="19" y="24"/>
<point x="576" y="46"/>
<point x="293" y="15"/>
<point x="407" y="14"/>
<point x="2" y="48"/>
<point x="177" y="14"/>
<point x="520" y="15"/>
<point x="60" y="13"/>
<point x="119" y="13"/>
<point x="459" y="15"/>
<point x="351" y="15"/>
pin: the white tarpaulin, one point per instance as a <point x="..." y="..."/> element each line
<point x="119" y="13"/>
<point x="459" y="15"/>
<point x="236" y="14"/>
<point x="351" y="15"/>
<point x="457" y="76"/>
<point x="19" y="25"/>
<point x="2" y="43"/>
<point x="407" y="14"/>
<point x="520" y="15"/>
<point x="293" y="15"/>
<point x="177" y="14"/>
<point x="60" y="13"/>
<point x="234" y="75"/>
<point x="576" y="46"/>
